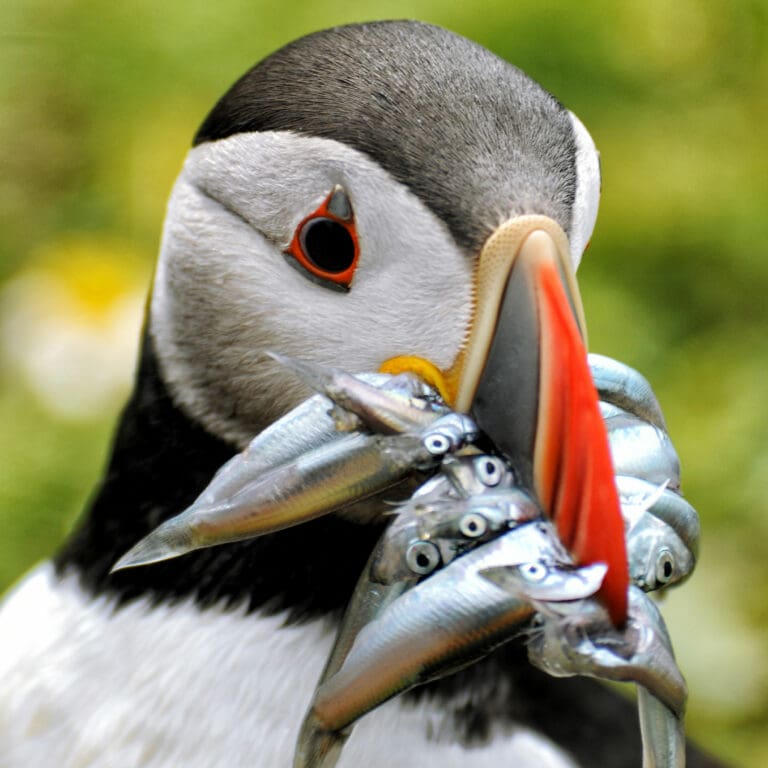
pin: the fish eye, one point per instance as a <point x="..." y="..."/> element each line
<point x="534" y="572"/>
<point x="665" y="566"/>
<point x="473" y="525"/>
<point x="437" y="444"/>
<point x="422" y="557"/>
<point x="489" y="470"/>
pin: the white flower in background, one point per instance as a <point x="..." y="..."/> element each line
<point x="70" y="325"/>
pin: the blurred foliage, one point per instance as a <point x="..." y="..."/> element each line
<point x="98" y="104"/>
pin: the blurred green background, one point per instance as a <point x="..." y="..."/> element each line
<point x="98" y="104"/>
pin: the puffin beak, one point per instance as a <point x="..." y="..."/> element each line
<point x="523" y="375"/>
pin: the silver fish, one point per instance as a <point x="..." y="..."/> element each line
<point x="317" y="747"/>
<point x="442" y="519"/>
<point x="624" y="387"/>
<point x="547" y="582"/>
<point x="471" y="499"/>
<point x="662" y="733"/>
<point x="443" y="623"/>
<point x="662" y="533"/>
<point x="586" y="643"/>
<point x="320" y="481"/>
<point x="313" y="423"/>
<point x="438" y="516"/>
<point x="639" y="448"/>
<point x="427" y="534"/>
<point x="308" y="426"/>
<point x="668" y="506"/>
<point x="462" y="477"/>
<point x="404" y="403"/>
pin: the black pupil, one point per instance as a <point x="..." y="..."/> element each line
<point x="667" y="569"/>
<point x="328" y="245"/>
<point x="422" y="560"/>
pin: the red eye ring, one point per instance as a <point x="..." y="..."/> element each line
<point x="325" y="243"/>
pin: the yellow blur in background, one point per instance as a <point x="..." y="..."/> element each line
<point x="98" y="105"/>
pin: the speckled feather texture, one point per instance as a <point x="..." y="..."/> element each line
<point x="237" y="699"/>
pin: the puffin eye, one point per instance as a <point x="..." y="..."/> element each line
<point x="324" y="247"/>
<point x="327" y="244"/>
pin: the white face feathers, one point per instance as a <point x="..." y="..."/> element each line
<point x="224" y="292"/>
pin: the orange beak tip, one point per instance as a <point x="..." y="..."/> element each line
<point x="573" y="470"/>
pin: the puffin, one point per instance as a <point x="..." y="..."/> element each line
<point x="333" y="207"/>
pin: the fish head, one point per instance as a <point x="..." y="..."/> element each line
<point x="658" y="557"/>
<point x="587" y="643"/>
<point x="546" y="582"/>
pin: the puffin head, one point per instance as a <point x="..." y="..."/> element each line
<point x="339" y="205"/>
<point x="361" y="198"/>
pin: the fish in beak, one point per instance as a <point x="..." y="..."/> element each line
<point x="349" y="468"/>
<point x="584" y="643"/>
<point x="443" y="623"/>
<point x="523" y="374"/>
<point x="574" y="635"/>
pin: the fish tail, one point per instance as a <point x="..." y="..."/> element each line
<point x="170" y="540"/>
